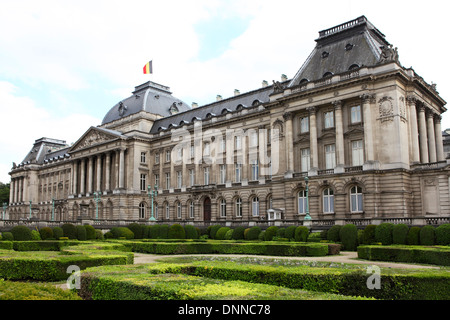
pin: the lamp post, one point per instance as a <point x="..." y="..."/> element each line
<point x="307" y="216"/>
<point x="151" y="195"/>
<point x="53" y="209"/>
<point x="5" y="205"/>
<point x="97" y="199"/>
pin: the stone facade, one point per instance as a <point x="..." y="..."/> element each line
<point x="367" y="137"/>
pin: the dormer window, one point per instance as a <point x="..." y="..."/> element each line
<point x="353" y="67"/>
<point x="327" y="74"/>
<point x="173" y="109"/>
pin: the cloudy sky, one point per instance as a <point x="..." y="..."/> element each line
<point x="64" y="64"/>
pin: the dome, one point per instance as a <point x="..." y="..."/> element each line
<point x="151" y="97"/>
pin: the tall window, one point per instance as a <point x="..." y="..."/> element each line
<point x="255" y="206"/>
<point x="156" y="179"/>
<point x="157" y="158"/>
<point x="191" y="209"/>
<point x="155" y="210"/>
<point x="167" y="180"/>
<point x="223" y="208"/>
<point x="143" y="160"/>
<point x="304" y="124"/>
<point x="179" y="210"/>
<point x="237" y="142"/>
<point x="191" y="177"/>
<point x="206" y="175"/>
<point x="207" y="149"/>
<point x="328" y="201"/>
<point x="301" y="202"/>
<point x="329" y="119"/>
<point x="192" y="151"/>
<point x="238" y="168"/>
<point x="179" y="179"/>
<point x="330" y="156"/>
<point x="238" y="207"/>
<point x="254" y="139"/>
<point x="167" y="211"/>
<point x="357" y="153"/>
<point x="356" y="203"/>
<point x="355" y="114"/>
<point x="141" y="210"/>
<point x="305" y="159"/>
<point x="168" y="156"/>
<point x="143" y="182"/>
<point x="255" y="170"/>
<point x="222" y="173"/>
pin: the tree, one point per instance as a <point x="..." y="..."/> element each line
<point x="4" y="193"/>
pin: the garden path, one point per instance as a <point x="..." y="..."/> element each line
<point x="343" y="257"/>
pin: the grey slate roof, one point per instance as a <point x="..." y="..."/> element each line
<point x="150" y="97"/>
<point x="355" y="43"/>
<point x="217" y="108"/>
<point x="45" y="149"/>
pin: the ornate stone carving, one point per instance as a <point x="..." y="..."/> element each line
<point x="388" y="54"/>
<point x="92" y="138"/>
<point x="402" y="109"/>
<point x="386" y="108"/>
<point x="277" y="86"/>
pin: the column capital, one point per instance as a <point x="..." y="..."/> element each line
<point x="437" y="118"/>
<point x="367" y="97"/>
<point x="312" y="110"/>
<point x="411" y="100"/>
<point x="287" y="116"/>
<point x="337" y="104"/>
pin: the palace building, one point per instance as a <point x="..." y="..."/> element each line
<point x="353" y="135"/>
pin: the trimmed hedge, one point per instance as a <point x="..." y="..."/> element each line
<point x="399" y="233"/>
<point x="81" y="233"/>
<point x="409" y="254"/>
<point x="220" y="234"/>
<point x="333" y="233"/>
<point x="443" y="234"/>
<point x="383" y="233"/>
<point x="69" y="230"/>
<point x="301" y="234"/>
<point x="21" y="233"/>
<point x="137" y="229"/>
<point x="238" y="233"/>
<point x="58" y="232"/>
<point x="413" y="236"/>
<point x="427" y="236"/>
<point x="46" y="233"/>
<point x="90" y="232"/>
<point x="191" y="232"/>
<point x="253" y="233"/>
<point x="270" y="233"/>
<point x="349" y="237"/>
<point x="122" y="232"/>
<point x="176" y="231"/>
<point x="369" y="234"/>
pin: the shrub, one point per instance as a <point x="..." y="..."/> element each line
<point x="46" y="233"/>
<point x="163" y="232"/>
<point x="238" y="233"/>
<point x="220" y="234"/>
<point x="90" y="232"/>
<point x="191" y="232"/>
<point x="122" y="232"/>
<point x="21" y="233"/>
<point x="137" y="229"/>
<point x="443" y="234"/>
<point x="109" y="235"/>
<point x="99" y="234"/>
<point x="35" y="235"/>
<point x="413" y="236"/>
<point x="383" y="233"/>
<point x="333" y="233"/>
<point x="399" y="233"/>
<point x="369" y="234"/>
<point x="81" y="233"/>
<point x="290" y="232"/>
<point x="253" y="233"/>
<point x="261" y="235"/>
<point x="270" y="233"/>
<point x="301" y="234"/>
<point x="349" y="237"/>
<point x="176" y="231"/>
<point x="281" y="232"/>
<point x="69" y="230"/>
<point x="57" y="232"/>
<point x="7" y="236"/>
<point x="427" y="236"/>
<point x="323" y="234"/>
<point x="213" y="231"/>
<point x="229" y="234"/>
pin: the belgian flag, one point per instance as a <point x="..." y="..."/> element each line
<point x="148" y="68"/>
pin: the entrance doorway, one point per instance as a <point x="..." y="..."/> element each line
<point x="207" y="209"/>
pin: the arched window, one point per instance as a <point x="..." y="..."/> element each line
<point x="238" y="207"/>
<point x="141" y="210"/>
<point x="223" y="208"/>
<point x="255" y="206"/>
<point x="191" y="209"/>
<point x="301" y="197"/>
<point x="179" y="210"/>
<point x="328" y="201"/>
<point x="356" y="201"/>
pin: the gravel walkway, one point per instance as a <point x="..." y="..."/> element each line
<point x="343" y="257"/>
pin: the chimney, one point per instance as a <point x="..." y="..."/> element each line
<point x="219" y="97"/>
<point x="194" y="105"/>
<point x="265" y="83"/>
<point x="283" y="78"/>
<point x="236" y="92"/>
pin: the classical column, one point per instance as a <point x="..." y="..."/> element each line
<point x="439" y="144"/>
<point x="122" y="168"/>
<point x="431" y="138"/>
<point x="99" y="172"/>
<point x="289" y="142"/>
<point x="20" y="191"/>
<point x="339" y="133"/>
<point x="411" y="101"/>
<point x="423" y="135"/>
<point x="75" y="177"/>
<point x="368" y="127"/>
<point x="90" y="175"/>
<point x="11" y="191"/>
<point x="82" y="177"/>
<point x="313" y="138"/>
<point x="108" y="172"/>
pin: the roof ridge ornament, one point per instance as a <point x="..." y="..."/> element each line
<point x="388" y="54"/>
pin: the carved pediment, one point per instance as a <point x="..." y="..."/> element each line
<point x="93" y="137"/>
